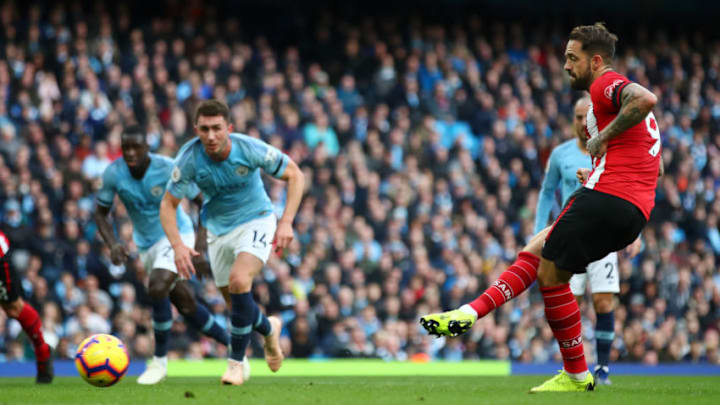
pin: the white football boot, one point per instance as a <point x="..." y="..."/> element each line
<point x="155" y="372"/>
<point x="237" y="372"/>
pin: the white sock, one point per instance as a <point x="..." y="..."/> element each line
<point x="578" y="376"/>
<point x="469" y="310"/>
<point x="162" y="360"/>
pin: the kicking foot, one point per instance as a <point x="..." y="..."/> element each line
<point x="45" y="369"/>
<point x="234" y="375"/>
<point x="273" y="353"/>
<point x="602" y="375"/>
<point x="564" y="383"/>
<point x="155" y="372"/>
<point x="450" y="323"/>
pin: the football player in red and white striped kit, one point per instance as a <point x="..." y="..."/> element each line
<point x="15" y="307"/>
<point x="604" y="216"/>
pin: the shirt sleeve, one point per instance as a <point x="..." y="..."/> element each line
<point x="106" y="194"/>
<point x="267" y="157"/>
<point x="546" y="198"/>
<point x="182" y="178"/>
<point x="608" y="92"/>
<point x="193" y="191"/>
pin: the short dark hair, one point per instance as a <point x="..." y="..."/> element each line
<point x="133" y="130"/>
<point x="211" y="108"/>
<point x="595" y="39"/>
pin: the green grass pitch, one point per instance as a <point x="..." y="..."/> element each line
<point x="358" y="383"/>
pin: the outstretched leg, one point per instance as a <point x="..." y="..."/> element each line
<point x="196" y="313"/>
<point x="511" y="283"/>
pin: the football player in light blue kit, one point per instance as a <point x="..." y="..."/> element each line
<point x="565" y="168"/>
<point x="239" y="218"/>
<point x="139" y="179"/>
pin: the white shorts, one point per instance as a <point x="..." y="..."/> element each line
<point x="254" y="237"/>
<point x="161" y="254"/>
<point x="603" y="276"/>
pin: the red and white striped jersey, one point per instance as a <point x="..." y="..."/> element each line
<point x="629" y="168"/>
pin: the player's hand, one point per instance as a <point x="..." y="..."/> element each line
<point x="596" y="146"/>
<point x="284" y="234"/>
<point x="183" y="260"/>
<point x="582" y="175"/>
<point x="634" y="248"/>
<point x="119" y="254"/>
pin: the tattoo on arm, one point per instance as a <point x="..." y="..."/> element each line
<point x="635" y="106"/>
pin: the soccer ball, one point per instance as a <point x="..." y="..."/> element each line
<point x="102" y="360"/>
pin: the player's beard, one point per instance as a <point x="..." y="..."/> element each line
<point x="581" y="82"/>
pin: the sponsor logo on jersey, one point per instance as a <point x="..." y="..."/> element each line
<point x="175" y="176"/>
<point x="504" y="288"/>
<point x="611" y="88"/>
<point x="156" y="191"/>
<point x="242" y="171"/>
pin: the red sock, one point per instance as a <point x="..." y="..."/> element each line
<point x="31" y="324"/>
<point x="563" y="315"/>
<point x="511" y="283"/>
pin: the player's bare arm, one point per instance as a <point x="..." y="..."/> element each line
<point x="636" y="102"/>
<point x="296" y="186"/>
<point x="168" y="219"/>
<point x="200" y="263"/>
<point x="118" y="252"/>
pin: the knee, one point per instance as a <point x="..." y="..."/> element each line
<point x="536" y="243"/>
<point x="550" y="276"/>
<point x="603" y="303"/>
<point x="240" y="282"/>
<point x="157" y="291"/>
<point x="183" y="300"/>
<point x="13" y="309"/>
<point x="546" y="276"/>
<point x="185" y="307"/>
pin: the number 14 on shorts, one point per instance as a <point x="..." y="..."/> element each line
<point x="259" y="238"/>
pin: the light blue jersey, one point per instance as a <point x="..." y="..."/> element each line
<point x="562" y="167"/>
<point x="142" y="198"/>
<point x="233" y="189"/>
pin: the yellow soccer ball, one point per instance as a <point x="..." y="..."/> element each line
<point x="102" y="360"/>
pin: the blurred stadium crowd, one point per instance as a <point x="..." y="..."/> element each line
<point x="425" y="145"/>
